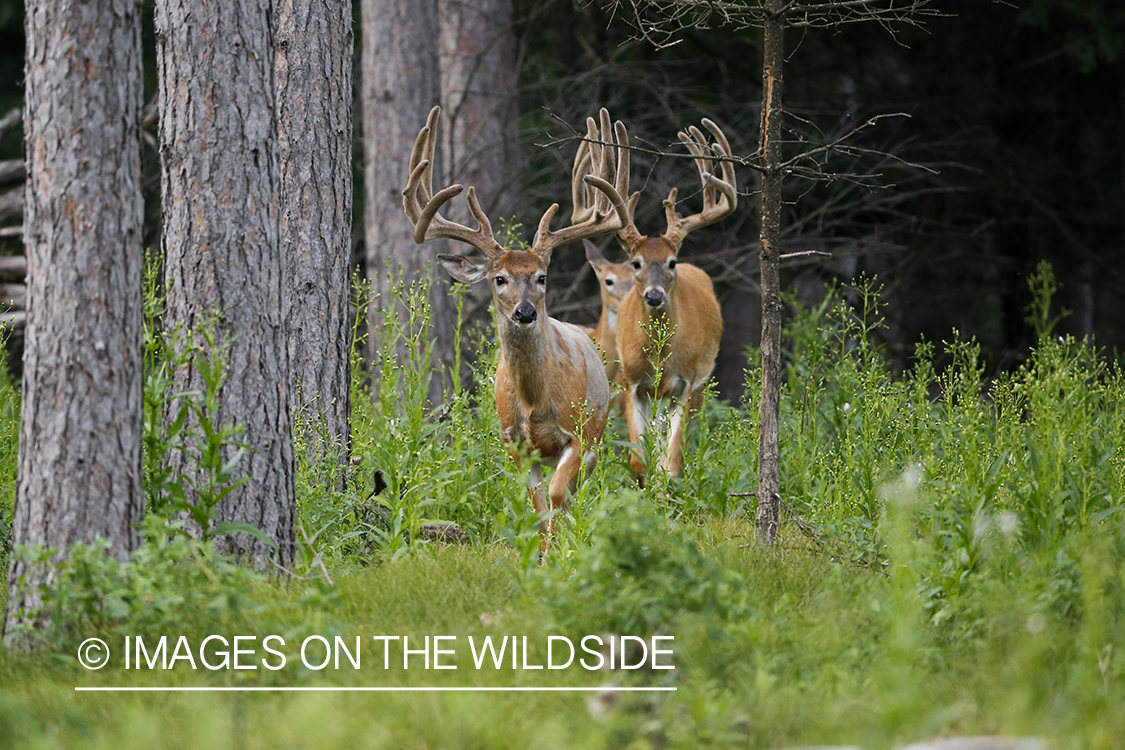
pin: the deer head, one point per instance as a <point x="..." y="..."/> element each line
<point x="519" y="277"/>
<point x="654" y="259"/>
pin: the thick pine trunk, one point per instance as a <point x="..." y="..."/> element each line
<point x="80" y="430"/>
<point x="314" y="108"/>
<point x="219" y="187"/>
<point x="769" y="443"/>
<point x="401" y="84"/>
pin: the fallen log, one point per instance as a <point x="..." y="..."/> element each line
<point x="13" y="268"/>
<point x="13" y="296"/>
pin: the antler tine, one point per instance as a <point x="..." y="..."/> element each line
<point x="422" y="206"/>
<point x="629" y="234"/>
<point x="586" y="161"/>
<point x="670" y="209"/>
<point x="423" y="144"/>
<point x="623" y="161"/>
<point x="722" y="147"/>
<point x="720" y="196"/>
<point x="604" y="166"/>
<point x="599" y="208"/>
<point x="579" y="190"/>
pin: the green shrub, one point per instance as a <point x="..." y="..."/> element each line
<point x="639" y="572"/>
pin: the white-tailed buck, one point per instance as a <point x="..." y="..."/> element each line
<point x="551" y="391"/>
<point x="615" y="281"/>
<point x="677" y="296"/>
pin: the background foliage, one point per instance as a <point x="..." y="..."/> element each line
<point x="1019" y="112"/>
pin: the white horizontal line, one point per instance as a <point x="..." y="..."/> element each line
<point x="372" y="689"/>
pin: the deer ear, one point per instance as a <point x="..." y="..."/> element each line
<point x="466" y="268"/>
<point x="593" y="254"/>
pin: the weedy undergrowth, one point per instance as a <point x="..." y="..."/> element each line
<point x="9" y="450"/>
<point x="186" y="421"/>
<point x="640" y="571"/>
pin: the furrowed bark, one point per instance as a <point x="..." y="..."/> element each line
<point x="313" y="71"/>
<point x="219" y="187"/>
<point x="401" y="83"/>
<point x="79" y="465"/>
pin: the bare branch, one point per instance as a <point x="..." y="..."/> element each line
<point x="10" y="121"/>
<point x="661" y="21"/>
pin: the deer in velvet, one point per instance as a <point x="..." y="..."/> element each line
<point x="678" y="295"/>
<point x="551" y="390"/>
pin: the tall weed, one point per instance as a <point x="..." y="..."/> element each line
<point x="9" y="450"/>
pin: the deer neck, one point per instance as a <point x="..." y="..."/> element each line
<point x="607" y="328"/>
<point x="530" y="357"/>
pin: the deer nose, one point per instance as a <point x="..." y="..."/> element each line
<point x="654" y="298"/>
<point x="524" y="313"/>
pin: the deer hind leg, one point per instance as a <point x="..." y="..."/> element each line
<point x="589" y="461"/>
<point x="638" y="413"/>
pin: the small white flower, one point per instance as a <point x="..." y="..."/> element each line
<point x="1008" y="523"/>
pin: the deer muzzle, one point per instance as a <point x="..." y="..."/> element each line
<point x="524" y="313"/>
<point x="655" y="298"/>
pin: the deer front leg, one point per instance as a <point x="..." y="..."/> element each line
<point x="565" y="479"/>
<point x="538" y="498"/>
<point x="638" y="413"/>
<point x="682" y="401"/>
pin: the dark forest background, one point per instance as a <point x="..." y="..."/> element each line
<point x="1011" y="152"/>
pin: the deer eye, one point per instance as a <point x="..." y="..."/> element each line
<point x="542" y="279"/>
<point x="501" y="281"/>
<point x="671" y="262"/>
<point x="637" y="264"/>
<point x="609" y="282"/>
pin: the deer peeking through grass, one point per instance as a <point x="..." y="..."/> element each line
<point x="551" y="390"/>
<point x="615" y="281"/>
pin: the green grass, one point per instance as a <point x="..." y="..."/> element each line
<point x="967" y="574"/>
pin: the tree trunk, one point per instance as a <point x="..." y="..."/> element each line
<point x="480" y="137"/>
<point x="314" y="108"/>
<point x="769" y="145"/>
<point x="400" y="85"/>
<point x="80" y="429"/>
<point x="219" y="191"/>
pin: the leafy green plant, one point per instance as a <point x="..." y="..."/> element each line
<point x="186" y="421"/>
<point x="639" y="572"/>
<point x="170" y="582"/>
<point x="1043" y="285"/>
